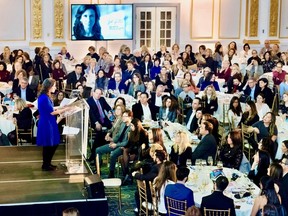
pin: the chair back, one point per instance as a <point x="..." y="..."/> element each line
<point x="216" y="212"/>
<point x="247" y="135"/>
<point x="154" y="199"/>
<point x="24" y="135"/>
<point x="176" y="207"/>
<point x="141" y="185"/>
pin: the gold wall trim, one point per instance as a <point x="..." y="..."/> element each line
<point x="239" y="25"/>
<point x="36" y="44"/>
<point x="59" y="44"/>
<point x="191" y="19"/>
<point x="246" y="17"/>
<point x="274" y="41"/>
<point x="36" y="15"/>
<point x="273" y="24"/>
<point x="251" y="41"/>
<point x="254" y="12"/>
<point x="280" y="18"/>
<point x="59" y="19"/>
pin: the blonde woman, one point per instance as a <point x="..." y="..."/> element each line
<point x="90" y="73"/>
<point x="181" y="150"/>
<point x="210" y="100"/>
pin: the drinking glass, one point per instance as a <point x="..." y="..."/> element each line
<point x="220" y="164"/>
<point x="210" y="161"/>
<point x="198" y="162"/>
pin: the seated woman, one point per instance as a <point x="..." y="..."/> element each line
<point x="267" y="128"/>
<point x="150" y="88"/>
<point x="101" y="80"/>
<point x="65" y="54"/>
<point x="206" y="71"/>
<point x="210" y="100"/>
<point x="250" y="115"/>
<point x="4" y="74"/>
<point x="59" y="98"/>
<point x="210" y="61"/>
<point x="164" y="78"/>
<point x="275" y="171"/>
<point x="136" y="85"/>
<point x="57" y="73"/>
<point x="166" y="176"/>
<point x="167" y="111"/>
<point x="266" y="91"/>
<point x="186" y="95"/>
<point x="231" y="154"/>
<point x="259" y="167"/>
<point x="268" y="196"/>
<point x="283" y="108"/>
<point x="210" y="80"/>
<point x="284" y="148"/>
<point x="181" y="150"/>
<point x="234" y="112"/>
<point x="23" y="120"/>
<point x="283" y="87"/>
<point x="267" y="62"/>
<point x="261" y="107"/>
<point x="138" y="136"/>
<point x="155" y="69"/>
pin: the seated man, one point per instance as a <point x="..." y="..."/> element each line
<point x="98" y="119"/>
<point x="217" y="200"/>
<point x="116" y="84"/>
<point x="24" y="92"/>
<point x="251" y="88"/>
<point x="119" y="141"/>
<point x="143" y="110"/>
<point x="75" y="77"/>
<point x="208" y="144"/>
<point x="179" y="191"/>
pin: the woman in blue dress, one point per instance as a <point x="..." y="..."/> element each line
<point x="48" y="134"/>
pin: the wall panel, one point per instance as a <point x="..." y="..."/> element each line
<point x="229" y="19"/>
<point x="283" y="23"/>
<point x="202" y="13"/>
<point x="13" y="20"/>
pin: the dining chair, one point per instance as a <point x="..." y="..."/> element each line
<point x="146" y="207"/>
<point x="176" y="207"/>
<point x="24" y="135"/>
<point x="112" y="185"/>
<point x="247" y="135"/>
<point x="181" y="116"/>
<point x="216" y="212"/>
<point x="224" y="121"/>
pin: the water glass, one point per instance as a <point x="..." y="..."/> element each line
<point x="220" y="164"/>
<point x="210" y="161"/>
<point x="198" y="162"/>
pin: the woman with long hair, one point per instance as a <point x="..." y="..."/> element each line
<point x="168" y="109"/>
<point x="101" y="80"/>
<point x="261" y="107"/>
<point x="250" y="115"/>
<point x="210" y="100"/>
<point x="210" y="80"/>
<point x="136" y="85"/>
<point x="268" y="196"/>
<point x="234" y="112"/>
<point x="267" y="62"/>
<point x="218" y="55"/>
<point x="86" y="25"/>
<point x="275" y="171"/>
<point x="231" y="154"/>
<point x="284" y="148"/>
<point x="187" y="76"/>
<point x="164" y="78"/>
<point x="181" y="150"/>
<point x="167" y="175"/>
<point x="48" y="134"/>
<point x="138" y="136"/>
<point x="59" y="98"/>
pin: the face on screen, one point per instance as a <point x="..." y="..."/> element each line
<point x="88" y="19"/>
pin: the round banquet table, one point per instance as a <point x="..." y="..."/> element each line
<point x="201" y="185"/>
<point x="6" y="125"/>
<point x="5" y="88"/>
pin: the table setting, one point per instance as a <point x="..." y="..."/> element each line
<point x="241" y="189"/>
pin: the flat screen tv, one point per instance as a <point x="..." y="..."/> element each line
<point x="101" y="22"/>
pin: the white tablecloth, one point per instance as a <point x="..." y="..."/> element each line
<point x="5" y="88"/>
<point x="6" y="125"/>
<point x="199" y="182"/>
<point x="282" y="127"/>
<point x="130" y="101"/>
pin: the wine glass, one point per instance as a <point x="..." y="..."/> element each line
<point x="198" y="162"/>
<point x="188" y="162"/>
<point x="220" y="164"/>
<point x="241" y="193"/>
<point x="210" y="161"/>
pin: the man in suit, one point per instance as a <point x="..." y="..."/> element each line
<point x="208" y="145"/>
<point x="190" y="117"/>
<point x="157" y="97"/>
<point x="98" y="119"/>
<point x="217" y="200"/>
<point x="251" y="88"/>
<point x="128" y="73"/>
<point x="284" y="183"/>
<point x="119" y="141"/>
<point x="143" y="110"/>
<point x="75" y="76"/>
<point x="33" y="79"/>
<point x="24" y="92"/>
<point x="266" y="48"/>
<point x="116" y="84"/>
<point x="178" y="190"/>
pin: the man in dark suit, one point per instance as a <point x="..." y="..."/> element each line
<point x="33" y="79"/>
<point x="24" y="92"/>
<point x="98" y="119"/>
<point x="217" y="200"/>
<point x="284" y="183"/>
<point x="251" y="88"/>
<point x="157" y="97"/>
<point x="208" y="145"/>
<point x="190" y="118"/>
<point x="178" y="190"/>
<point x="116" y="84"/>
<point x="75" y="76"/>
<point x="143" y="110"/>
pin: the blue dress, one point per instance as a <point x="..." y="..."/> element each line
<point x="47" y="133"/>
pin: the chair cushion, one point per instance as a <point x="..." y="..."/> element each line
<point x="112" y="182"/>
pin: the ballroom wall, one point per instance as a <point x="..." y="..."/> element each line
<point x="30" y="23"/>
